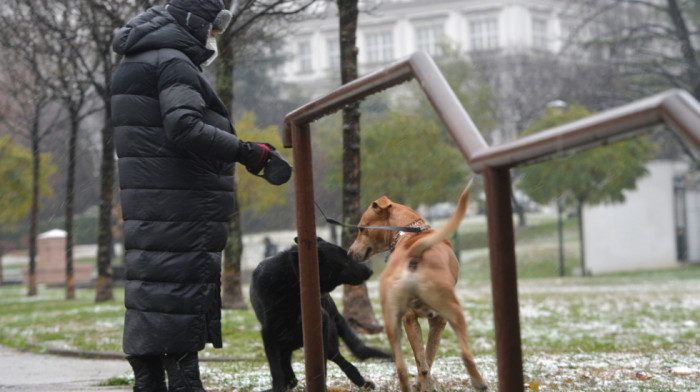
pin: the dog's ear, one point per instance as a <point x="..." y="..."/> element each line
<point x="381" y="206"/>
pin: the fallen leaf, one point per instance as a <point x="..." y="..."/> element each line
<point x="337" y="389"/>
<point x="642" y="376"/>
<point x="534" y="385"/>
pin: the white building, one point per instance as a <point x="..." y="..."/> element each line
<point x="394" y="29"/>
<point x="656" y="227"/>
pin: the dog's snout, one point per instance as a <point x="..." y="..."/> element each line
<point x="357" y="255"/>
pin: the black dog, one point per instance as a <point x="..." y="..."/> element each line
<point x="274" y="293"/>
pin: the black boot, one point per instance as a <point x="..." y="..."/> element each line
<point x="183" y="372"/>
<point x="149" y="373"/>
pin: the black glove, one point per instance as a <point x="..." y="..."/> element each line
<point x="257" y="157"/>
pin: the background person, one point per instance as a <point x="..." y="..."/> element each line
<point x="270" y="247"/>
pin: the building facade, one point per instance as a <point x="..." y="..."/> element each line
<point x="391" y="30"/>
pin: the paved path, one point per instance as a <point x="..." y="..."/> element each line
<point x="28" y="372"/>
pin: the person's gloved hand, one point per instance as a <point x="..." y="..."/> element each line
<point x="257" y="157"/>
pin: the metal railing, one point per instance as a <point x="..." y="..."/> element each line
<point x="674" y="107"/>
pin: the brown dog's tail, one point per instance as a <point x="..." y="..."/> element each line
<point x="445" y="231"/>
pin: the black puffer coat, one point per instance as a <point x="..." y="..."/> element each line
<point x="176" y="148"/>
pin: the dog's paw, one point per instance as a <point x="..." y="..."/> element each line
<point x="480" y="386"/>
<point x="368" y="385"/>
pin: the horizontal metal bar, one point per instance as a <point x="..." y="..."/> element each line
<point x="675" y="107"/>
<point x="395" y="73"/>
<point x="419" y="66"/>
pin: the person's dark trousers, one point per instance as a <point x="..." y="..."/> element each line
<point x="149" y="373"/>
<point x="183" y="372"/>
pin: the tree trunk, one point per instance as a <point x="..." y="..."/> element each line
<point x="70" y="197"/>
<point x="357" y="308"/>
<point x="103" y="289"/>
<point x="232" y="296"/>
<point x="231" y="278"/>
<point x="105" y="239"/>
<point x="34" y="220"/>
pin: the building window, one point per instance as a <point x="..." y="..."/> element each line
<point x="539" y="33"/>
<point x="305" y="57"/>
<point x="484" y="34"/>
<point x="380" y="47"/>
<point x="333" y="54"/>
<point x="428" y="39"/>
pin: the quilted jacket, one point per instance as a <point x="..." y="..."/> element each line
<point x="176" y="146"/>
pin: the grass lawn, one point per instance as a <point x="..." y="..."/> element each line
<point x="625" y="332"/>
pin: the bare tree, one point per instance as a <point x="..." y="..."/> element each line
<point x="357" y="308"/>
<point x="100" y="20"/>
<point x="649" y="46"/>
<point x="101" y="23"/>
<point x="26" y="72"/>
<point x="60" y="32"/>
<point x="652" y="43"/>
<point x="81" y="31"/>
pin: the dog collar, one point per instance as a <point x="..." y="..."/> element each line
<point x="400" y="234"/>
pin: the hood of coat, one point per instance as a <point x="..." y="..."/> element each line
<point x="157" y="29"/>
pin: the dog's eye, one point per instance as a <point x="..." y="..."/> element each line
<point x="362" y="229"/>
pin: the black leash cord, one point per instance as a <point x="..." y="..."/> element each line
<point x="413" y="229"/>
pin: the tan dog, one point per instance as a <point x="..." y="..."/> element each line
<point x="418" y="281"/>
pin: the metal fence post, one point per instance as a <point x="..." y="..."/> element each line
<point x="504" y="280"/>
<point x="312" y="325"/>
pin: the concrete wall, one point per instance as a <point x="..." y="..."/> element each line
<point x="638" y="234"/>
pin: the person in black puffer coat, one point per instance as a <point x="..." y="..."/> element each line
<point x="176" y="147"/>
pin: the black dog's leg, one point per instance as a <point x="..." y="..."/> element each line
<point x="345" y="332"/>
<point x="286" y="356"/>
<point x="280" y="361"/>
<point x="290" y="379"/>
<point x="333" y="353"/>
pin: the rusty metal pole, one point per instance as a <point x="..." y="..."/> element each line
<point x="308" y="260"/>
<point x="504" y="280"/>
